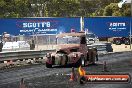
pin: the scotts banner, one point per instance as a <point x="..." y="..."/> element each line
<point x="108" y="26"/>
<point x="30" y="26"/>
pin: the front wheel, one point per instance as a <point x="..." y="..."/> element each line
<point x="48" y="65"/>
<point x="80" y="62"/>
<point x="82" y="80"/>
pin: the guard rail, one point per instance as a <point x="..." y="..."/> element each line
<point x="18" y="55"/>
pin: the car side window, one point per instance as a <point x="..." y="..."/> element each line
<point x="83" y="40"/>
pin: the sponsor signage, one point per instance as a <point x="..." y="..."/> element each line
<point x="108" y="26"/>
<point x="46" y="26"/>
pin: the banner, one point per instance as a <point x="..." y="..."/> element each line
<point x="46" y="26"/>
<point x="108" y="26"/>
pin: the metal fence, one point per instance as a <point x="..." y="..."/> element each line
<point x="39" y="39"/>
<point x="42" y="42"/>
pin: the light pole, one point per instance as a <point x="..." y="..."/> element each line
<point x="131" y="26"/>
<point x="120" y="6"/>
<point x="40" y="9"/>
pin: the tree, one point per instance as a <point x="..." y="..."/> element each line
<point x="14" y="8"/>
<point x="114" y="10"/>
<point x="61" y="8"/>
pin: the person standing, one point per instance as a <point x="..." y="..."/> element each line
<point x="1" y="46"/>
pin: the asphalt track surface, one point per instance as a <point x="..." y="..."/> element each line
<point x="38" y="76"/>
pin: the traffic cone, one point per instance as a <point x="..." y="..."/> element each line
<point x="9" y="62"/>
<point x="105" y="67"/>
<point x="131" y="62"/>
<point x="22" y="84"/>
<point x="72" y="76"/>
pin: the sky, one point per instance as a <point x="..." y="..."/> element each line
<point x="128" y="1"/>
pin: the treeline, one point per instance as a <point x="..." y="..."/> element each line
<point x="62" y="8"/>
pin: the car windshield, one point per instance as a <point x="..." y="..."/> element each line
<point x="90" y="35"/>
<point x="68" y="40"/>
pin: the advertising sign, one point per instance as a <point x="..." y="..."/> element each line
<point x="108" y="26"/>
<point x="46" y="26"/>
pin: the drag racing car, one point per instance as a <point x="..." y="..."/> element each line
<point x="71" y="49"/>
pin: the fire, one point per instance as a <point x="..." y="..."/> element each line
<point x="82" y="72"/>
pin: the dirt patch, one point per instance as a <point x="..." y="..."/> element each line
<point x="120" y="48"/>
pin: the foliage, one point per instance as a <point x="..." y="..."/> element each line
<point x="61" y="8"/>
<point x="114" y="10"/>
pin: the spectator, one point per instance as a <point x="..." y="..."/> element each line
<point x="32" y="45"/>
<point x="1" y="46"/>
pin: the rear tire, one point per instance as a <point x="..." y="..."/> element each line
<point x="48" y="65"/>
<point x="118" y="42"/>
<point x="127" y="42"/>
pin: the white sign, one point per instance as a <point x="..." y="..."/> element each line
<point x="39" y="27"/>
<point x="117" y="26"/>
<point x="36" y="25"/>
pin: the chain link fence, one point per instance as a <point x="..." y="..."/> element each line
<point x="42" y="42"/>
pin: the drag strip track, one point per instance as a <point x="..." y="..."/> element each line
<point x="13" y="76"/>
<point x="28" y="73"/>
<point x="114" y="57"/>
